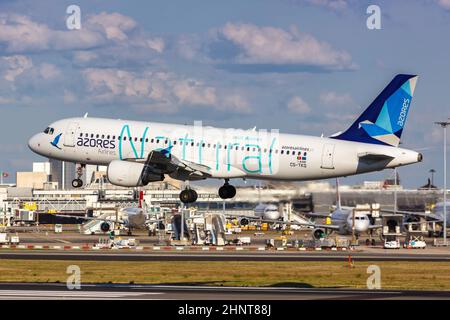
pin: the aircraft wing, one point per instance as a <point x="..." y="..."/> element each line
<point x="165" y="162"/>
<point x="412" y="213"/>
<point x="317" y="214"/>
<point x="314" y="225"/>
<point x="99" y="219"/>
<point x="88" y="218"/>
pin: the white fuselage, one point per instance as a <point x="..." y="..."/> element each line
<point x="344" y="219"/>
<point x="229" y="153"/>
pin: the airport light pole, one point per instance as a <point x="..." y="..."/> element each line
<point x="444" y="126"/>
<point x="432" y="171"/>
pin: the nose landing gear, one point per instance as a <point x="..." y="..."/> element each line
<point x="78" y="183"/>
<point x="227" y="191"/>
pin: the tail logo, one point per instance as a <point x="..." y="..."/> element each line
<point x="391" y="119"/>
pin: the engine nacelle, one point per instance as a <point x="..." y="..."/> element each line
<point x="131" y="174"/>
<point x="105" y="226"/>
<point x="243" y="221"/>
<point x="318" y="234"/>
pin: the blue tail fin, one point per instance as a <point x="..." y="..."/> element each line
<point x="383" y="121"/>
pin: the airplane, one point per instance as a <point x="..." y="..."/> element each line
<point x="139" y="152"/>
<point x="436" y="214"/>
<point x="132" y="218"/>
<point x="340" y="221"/>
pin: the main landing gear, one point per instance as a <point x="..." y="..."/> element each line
<point x="227" y="191"/>
<point x="188" y="195"/>
<point x="78" y="183"/>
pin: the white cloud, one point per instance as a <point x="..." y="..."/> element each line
<point x="165" y="91"/>
<point x="15" y="65"/>
<point x="156" y="44"/>
<point x="270" y="45"/>
<point x="334" y="99"/>
<point x="444" y="4"/>
<point x="48" y="71"/>
<point x="69" y="97"/>
<point x="236" y="102"/>
<point x="20" y="34"/>
<point x="114" y="25"/>
<point x="85" y="56"/>
<point x="298" y="105"/>
<point x="5" y="101"/>
<point x="331" y="4"/>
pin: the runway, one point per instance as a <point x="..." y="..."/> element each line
<point x="221" y="256"/>
<point x="46" y="291"/>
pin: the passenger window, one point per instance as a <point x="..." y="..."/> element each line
<point x="124" y="138"/>
<point x="103" y="136"/>
<point x="287" y="152"/>
<point x="165" y="142"/>
<point x="52" y="130"/>
<point x="86" y="135"/>
<point x="175" y="142"/>
<point x="157" y="140"/>
<point x="47" y="130"/>
<point x="81" y="134"/>
<point x="107" y="137"/>
<point x="282" y="152"/>
<point x="135" y="139"/>
<point x="192" y="144"/>
<point x="152" y="140"/>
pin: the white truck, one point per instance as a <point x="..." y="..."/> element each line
<point x="5" y="238"/>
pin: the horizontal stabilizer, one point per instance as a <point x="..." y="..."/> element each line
<point x="367" y="156"/>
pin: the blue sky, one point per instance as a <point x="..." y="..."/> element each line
<point x="303" y="66"/>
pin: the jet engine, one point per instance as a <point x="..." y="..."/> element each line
<point x="132" y="174"/>
<point x="318" y="234"/>
<point x="105" y="226"/>
<point x="243" y="221"/>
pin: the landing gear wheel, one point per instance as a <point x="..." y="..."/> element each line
<point x="373" y="242"/>
<point x="188" y="196"/>
<point x="227" y="191"/>
<point x="77" y="183"/>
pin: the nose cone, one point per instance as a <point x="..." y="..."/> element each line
<point x="360" y="226"/>
<point x="34" y="143"/>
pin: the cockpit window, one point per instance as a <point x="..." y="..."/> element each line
<point x="49" y="130"/>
